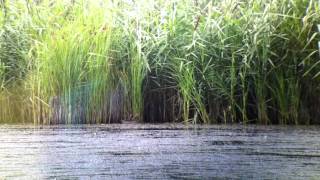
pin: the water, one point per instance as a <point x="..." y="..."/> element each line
<point x="167" y="151"/>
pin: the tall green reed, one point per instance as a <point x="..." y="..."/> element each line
<point x="226" y="61"/>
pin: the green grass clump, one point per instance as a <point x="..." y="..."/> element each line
<point x="226" y="61"/>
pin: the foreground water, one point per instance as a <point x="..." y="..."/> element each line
<point x="137" y="151"/>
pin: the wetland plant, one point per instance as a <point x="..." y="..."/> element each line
<point x="225" y="61"/>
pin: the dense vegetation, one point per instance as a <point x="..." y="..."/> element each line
<point x="210" y="61"/>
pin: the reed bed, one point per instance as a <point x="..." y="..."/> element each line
<point x="201" y="61"/>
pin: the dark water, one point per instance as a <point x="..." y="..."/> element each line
<point x="134" y="151"/>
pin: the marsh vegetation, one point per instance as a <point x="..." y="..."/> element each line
<point x="201" y="61"/>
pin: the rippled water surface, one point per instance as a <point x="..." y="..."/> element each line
<point x="140" y="151"/>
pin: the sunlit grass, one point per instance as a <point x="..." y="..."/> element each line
<point x="226" y="61"/>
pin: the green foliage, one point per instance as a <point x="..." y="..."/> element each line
<point x="226" y="61"/>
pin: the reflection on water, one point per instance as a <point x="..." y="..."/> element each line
<point x="159" y="151"/>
